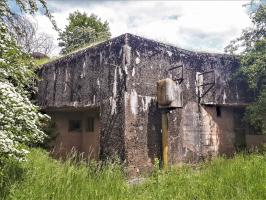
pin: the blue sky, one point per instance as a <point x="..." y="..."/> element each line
<point x="194" y="25"/>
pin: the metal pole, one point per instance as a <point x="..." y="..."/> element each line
<point x="165" y="139"/>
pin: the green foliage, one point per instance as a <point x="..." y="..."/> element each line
<point x="20" y="120"/>
<point x="256" y="113"/>
<point x="52" y="133"/>
<point x="253" y="62"/>
<point x="83" y="30"/>
<point x="242" y="177"/>
<point x="14" y="64"/>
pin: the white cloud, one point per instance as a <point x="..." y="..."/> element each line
<point x="204" y="26"/>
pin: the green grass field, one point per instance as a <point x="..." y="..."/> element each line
<point x="43" y="178"/>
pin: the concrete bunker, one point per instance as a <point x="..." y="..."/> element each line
<point x="115" y="83"/>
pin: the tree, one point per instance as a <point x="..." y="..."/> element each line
<point x="26" y="6"/>
<point x="82" y="30"/>
<point x="20" y="120"/>
<point x="28" y="37"/>
<point x="253" y="62"/>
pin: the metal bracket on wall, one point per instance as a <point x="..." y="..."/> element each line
<point x="178" y="79"/>
<point x="202" y="84"/>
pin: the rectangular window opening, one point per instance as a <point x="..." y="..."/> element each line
<point x="218" y="111"/>
<point x="90" y="127"/>
<point x="74" y="126"/>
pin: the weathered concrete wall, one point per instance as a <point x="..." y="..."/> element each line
<point x="151" y="61"/>
<point x="86" y="79"/>
<point x="203" y="134"/>
<point x="194" y="130"/>
<point x="142" y="132"/>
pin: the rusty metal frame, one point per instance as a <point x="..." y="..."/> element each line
<point x="205" y="84"/>
<point x="179" y="80"/>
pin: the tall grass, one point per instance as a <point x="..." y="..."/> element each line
<point x="242" y="177"/>
<point x="10" y="173"/>
<point x="47" y="178"/>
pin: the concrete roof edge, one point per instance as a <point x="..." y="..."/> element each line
<point x="83" y="50"/>
<point x="178" y="48"/>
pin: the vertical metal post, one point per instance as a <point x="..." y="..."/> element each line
<point x="165" y="139"/>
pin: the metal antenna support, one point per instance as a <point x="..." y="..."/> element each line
<point x="178" y="79"/>
<point x="210" y="84"/>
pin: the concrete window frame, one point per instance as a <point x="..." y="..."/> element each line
<point x="90" y="124"/>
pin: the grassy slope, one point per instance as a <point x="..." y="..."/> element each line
<point x="243" y="177"/>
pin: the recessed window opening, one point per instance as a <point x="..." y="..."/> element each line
<point x="90" y="127"/>
<point x="74" y="126"/>
<point x="218" y="111"/>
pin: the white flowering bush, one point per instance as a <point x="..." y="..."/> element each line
<point x="20" y="120"/>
